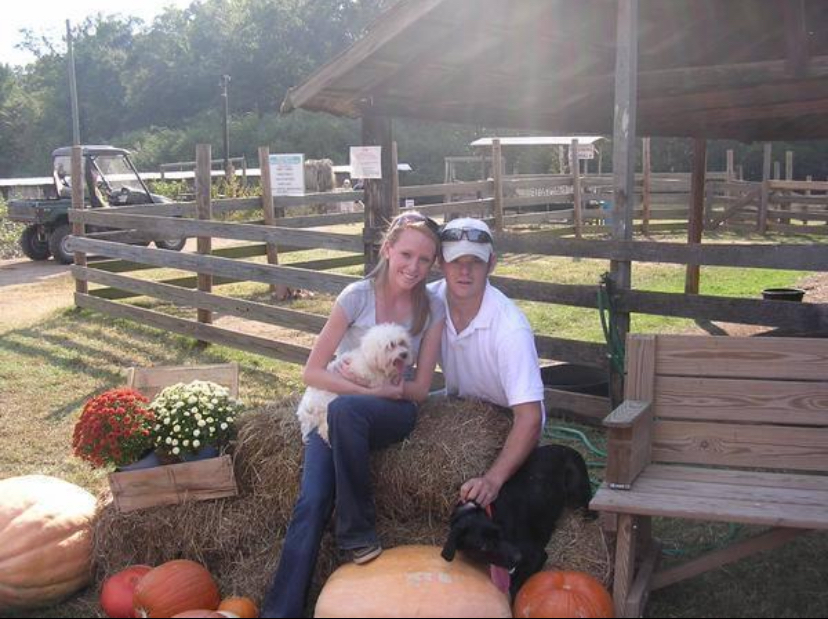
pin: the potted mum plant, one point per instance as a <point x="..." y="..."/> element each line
<point x="193" y="420"/>
<point x="115" y="428"/>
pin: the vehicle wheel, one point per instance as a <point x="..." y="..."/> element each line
<point x="57" y="244"/>
<point x="171" y="244"/>
<point x="34" y="247"/>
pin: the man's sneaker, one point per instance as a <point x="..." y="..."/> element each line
<point x="365" y="554"/>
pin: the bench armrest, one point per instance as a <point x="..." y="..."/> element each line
<point x="626" y="415"/>
<point x="628" y="444"/>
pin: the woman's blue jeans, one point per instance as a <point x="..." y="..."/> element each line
<point x="338" y="474"/>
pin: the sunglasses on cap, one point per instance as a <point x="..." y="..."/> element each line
<point x="416" y="218"/>
<point x="473" y="235"/>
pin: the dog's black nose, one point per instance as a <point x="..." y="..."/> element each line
<point x="403" y="355"/>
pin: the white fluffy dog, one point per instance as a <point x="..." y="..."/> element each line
<point x="381" y="358"/>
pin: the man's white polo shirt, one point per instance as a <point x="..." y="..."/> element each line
<point x="494" y="358"/>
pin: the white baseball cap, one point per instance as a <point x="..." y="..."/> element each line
<point x="452" y="250"/>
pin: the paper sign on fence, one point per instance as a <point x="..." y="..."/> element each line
<point x="366" y="161"/>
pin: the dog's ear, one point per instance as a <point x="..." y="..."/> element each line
<point x="450" y="547"/>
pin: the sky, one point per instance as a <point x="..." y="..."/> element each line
<point x="48" y="17"/>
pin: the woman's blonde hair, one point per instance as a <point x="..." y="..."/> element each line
<point x="419" y="296"/>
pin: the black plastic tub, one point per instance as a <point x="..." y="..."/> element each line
<point x="576" y="378"/>
<point x="783" y="294"/>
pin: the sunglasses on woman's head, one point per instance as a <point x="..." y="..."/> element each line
<point x="474" y="235"/>
<point x="414" y="218"/>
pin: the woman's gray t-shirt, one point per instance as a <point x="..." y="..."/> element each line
<point x="359" y="302"/>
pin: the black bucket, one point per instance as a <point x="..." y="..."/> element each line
<point x="783" y="294"/>
<point x="576" y="378"/>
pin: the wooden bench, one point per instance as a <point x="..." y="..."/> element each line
<point x="716" y="429"/>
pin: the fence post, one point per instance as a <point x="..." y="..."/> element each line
<point x="645" y="189"/>
<point x="575" y="166"/>
<point x="497" y="175"/>
<point x="395" y="181"/>
<point x="788" y="177"/>
<point x="762" y="221"/>
<point x="277" y="291"/>
<point x="204" y="211"/>
<point x="78" y="228"/>
<point x="695" y="223"/>
<point x="377" y="131"/>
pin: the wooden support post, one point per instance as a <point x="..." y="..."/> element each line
<point x="730" y="173"/>
<point x="762" y="221"/>
<point x="577" y="213"/>
<point x="696" y="218"/>
<point x="204" y="209"/>
<point x="645" y="189"/>
<point x="377" y="131"/>
<point x="777" y="171"/>
<point x="78" y="229"/>
<point x="623" y="153"/>
<point x="277" y="291"/>
<point x="395" y="181"/>
<point x="497" y="161"/>
<point x="561" y="160"/>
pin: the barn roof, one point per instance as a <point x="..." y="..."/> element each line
<point x="743" y="69"/>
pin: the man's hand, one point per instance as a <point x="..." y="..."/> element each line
<point x="481" y="490"/>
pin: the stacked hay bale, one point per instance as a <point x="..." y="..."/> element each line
<point x="239" y="539"/>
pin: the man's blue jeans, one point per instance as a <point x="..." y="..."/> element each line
<point x="340" y="473"/>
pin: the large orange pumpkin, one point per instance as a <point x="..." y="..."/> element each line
<point x="244" y="608"/>
<point x="412" y="581"/>
<point x="45" y="540"/>
<point x="174" y="587"/>
<point x="563" y="594"/>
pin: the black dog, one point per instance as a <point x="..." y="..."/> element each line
<point x="524" y="514"/>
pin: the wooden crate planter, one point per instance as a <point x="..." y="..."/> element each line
<point x="173" y="483"/>
<point x="170" y="484"/>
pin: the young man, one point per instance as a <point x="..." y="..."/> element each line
<point x="488" y="349"/>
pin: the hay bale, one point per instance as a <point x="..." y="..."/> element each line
<point x="454" y="440"/>
<point x="319" y="175"/>
<point x="239" y="538"/>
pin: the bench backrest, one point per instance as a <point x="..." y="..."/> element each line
<point x="759" y="402"/>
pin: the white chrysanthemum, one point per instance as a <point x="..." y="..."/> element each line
<point x="176" y="450"/>
<point x="196" y="443"/>
<point x="196" y="432"/>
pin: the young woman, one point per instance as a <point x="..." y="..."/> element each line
<point x="360" y="419"/>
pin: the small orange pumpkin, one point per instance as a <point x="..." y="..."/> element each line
<point x="175" y="587"/>
<point x="240" y="607"/>
<point x="563" y="594"/>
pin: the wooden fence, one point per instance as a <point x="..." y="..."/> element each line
<point x="788" y="207"/>
<point x="285" y="231"/>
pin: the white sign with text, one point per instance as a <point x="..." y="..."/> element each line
<point x="287" y="174"/>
